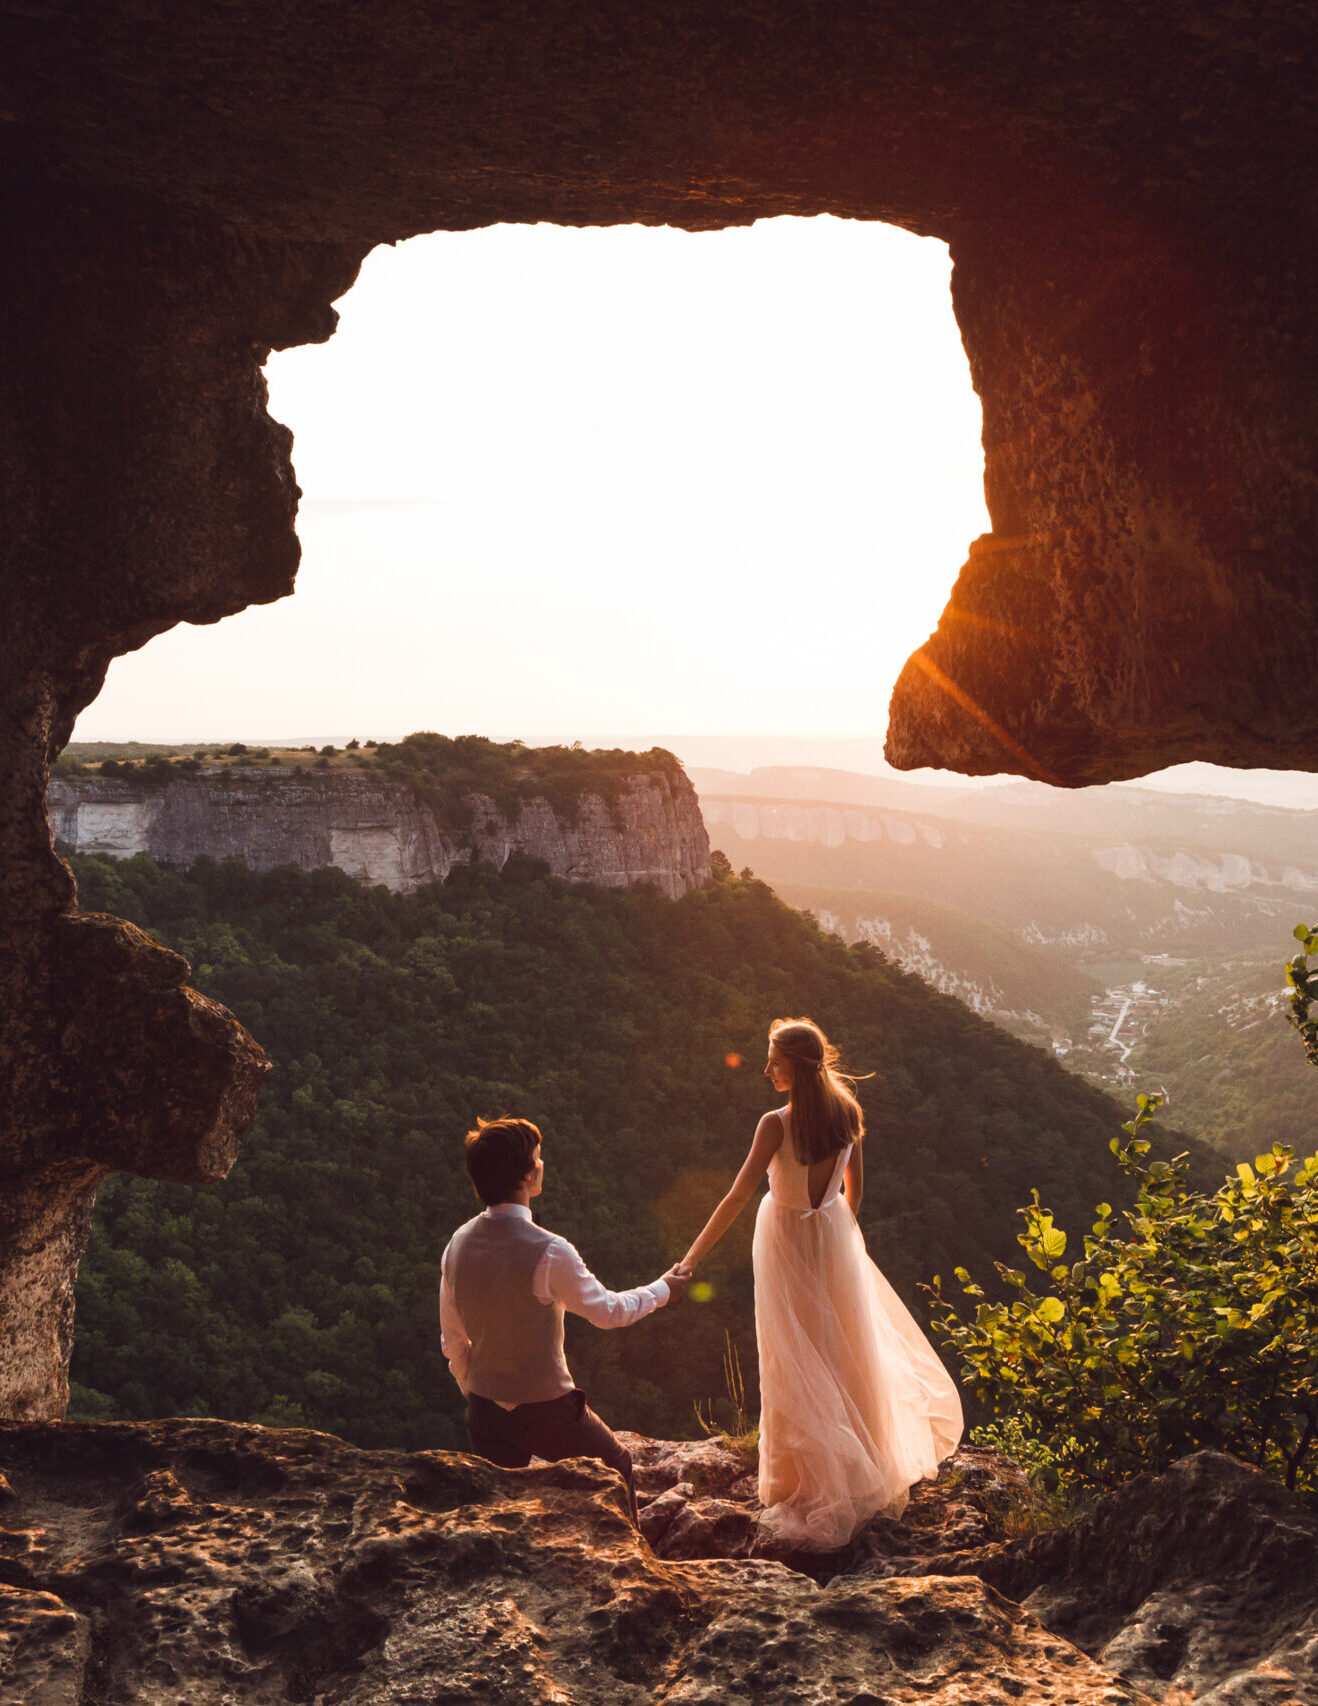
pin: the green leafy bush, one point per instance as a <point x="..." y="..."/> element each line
<point x="1035" y="1457"/>
<point x="1303" y="985"/>
<point x="1191" y="1321"/>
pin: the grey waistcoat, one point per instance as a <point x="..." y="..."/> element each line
<point x="516" y="1341"/>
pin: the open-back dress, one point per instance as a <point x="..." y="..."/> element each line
<point x="855" y="1406"/>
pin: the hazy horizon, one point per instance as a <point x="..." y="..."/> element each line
<point x="860" y="755"/>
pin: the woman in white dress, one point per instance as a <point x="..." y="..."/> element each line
<point x="855" y="1406"/>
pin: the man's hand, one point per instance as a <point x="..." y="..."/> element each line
<point x="678" y="1279"/>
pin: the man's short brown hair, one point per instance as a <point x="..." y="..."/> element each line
<point x="500" y="1154"/>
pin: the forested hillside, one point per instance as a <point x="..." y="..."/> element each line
<point x="631" y="1028"/>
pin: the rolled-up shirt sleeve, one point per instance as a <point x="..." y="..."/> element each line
<point x="562" y="1277"/>
<point x="453" y="1340"/>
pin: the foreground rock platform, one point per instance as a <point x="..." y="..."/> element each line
<point x="227" y="1565"/>
<point x="1199" y="1584"/>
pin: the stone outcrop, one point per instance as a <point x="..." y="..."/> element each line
<point x="118" y="1065"/>
<point x="215" y="1563"/>
<point x="1198" y="1584"/>
<point x="380" y="830"/>
<point x="1120" y="188"/>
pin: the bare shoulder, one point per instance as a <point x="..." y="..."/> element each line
<point x="769" y="1132"/>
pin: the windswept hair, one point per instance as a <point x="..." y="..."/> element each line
<point x="826" y="1116"/>
<point x="500" y="1153"/>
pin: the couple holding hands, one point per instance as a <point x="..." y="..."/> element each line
<point x="855" y="1406"/>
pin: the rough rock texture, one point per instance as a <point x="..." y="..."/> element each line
<point x="698" y="1500"/>
<point x="1122" y="188"/>
<point x="379" y="830"/>
<point x="1200" y="1584"/>
<point x="215" y="1563"/>
<point x="1144" y="425"/>
<point x="119" y="1065"/>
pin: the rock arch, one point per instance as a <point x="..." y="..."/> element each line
<point x="186" y="187"/>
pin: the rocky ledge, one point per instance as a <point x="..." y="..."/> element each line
<point x="1197" y="1585"/>
<point x="223" y="1565"/>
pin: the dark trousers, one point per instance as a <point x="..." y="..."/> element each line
<point x="561" y="1427"/>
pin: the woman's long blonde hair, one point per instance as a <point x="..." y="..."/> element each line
<point x="826" y="1116"/>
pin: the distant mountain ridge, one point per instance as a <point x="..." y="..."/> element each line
<point x="1123" y="869"/>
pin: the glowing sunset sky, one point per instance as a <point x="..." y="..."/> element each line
<point x="607" y="482"/>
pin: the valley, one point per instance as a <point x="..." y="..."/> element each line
<point x="1139" y="936"/>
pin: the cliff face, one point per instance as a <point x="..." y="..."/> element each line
<point x="834" y="826"/>
<point x="378" y="830"/>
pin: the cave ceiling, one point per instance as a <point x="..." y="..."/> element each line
<point x="1125" y="190"/>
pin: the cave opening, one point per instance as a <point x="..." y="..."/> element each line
<point x="617" y="484"/>
<point x="659" y="483"/>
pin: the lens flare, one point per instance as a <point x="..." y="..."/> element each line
<point x="702" y="1291"/>
<point x="732" y="1060"/>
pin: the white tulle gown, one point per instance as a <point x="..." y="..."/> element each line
<point x="855" y="1406"/>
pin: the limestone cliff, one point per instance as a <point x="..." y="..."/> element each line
<point x="381" y="830"/>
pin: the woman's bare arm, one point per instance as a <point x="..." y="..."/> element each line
<point x="768" y="1135"/>
<point x="855" y="1177"/>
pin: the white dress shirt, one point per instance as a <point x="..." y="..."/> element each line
<point x="561" y="1278"/>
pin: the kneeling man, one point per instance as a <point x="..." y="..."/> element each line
<point x="505" y="1285"/>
